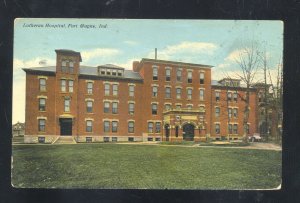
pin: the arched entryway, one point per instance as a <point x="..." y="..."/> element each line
<point x="188" y="132"/>
<point x="167" y="131"/>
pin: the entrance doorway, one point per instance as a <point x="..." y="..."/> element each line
<point x="188" y="132"/>
<point x="65" y="126"/>
<point x="167" y="131"/>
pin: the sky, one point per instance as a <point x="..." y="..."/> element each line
<point x="121" y="41"/>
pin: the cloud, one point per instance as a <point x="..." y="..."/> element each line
<point x="130" y="42"/>
<point x="186" y="50"/>
<point x="99" y="53"/>
<point x="36" y="62"/>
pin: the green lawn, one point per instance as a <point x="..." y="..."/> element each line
<point x="141" y="166"/>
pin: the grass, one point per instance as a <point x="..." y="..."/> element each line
<point x="141" y="166"/>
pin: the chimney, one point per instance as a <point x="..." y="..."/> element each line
<point x="155" y="53"/>
<point x="135" y="65"/>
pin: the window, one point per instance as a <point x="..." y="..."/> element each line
<point x="217" y="109"/>
<point x="107" y="71"/>
<point x="154" y="71"/>
<point x="114" y="107"/>
<point x="235" y="129"/>
<point x="201" y="94"/>
<point x="176" y="131"/>
<point x="201" y="78"/>
<point x="71" y="66"/>
<point x="41" y="139"/>
<point x="115" y="90"/>
<point x="178" y="93"/>
<point x="64" y="67"/>
<point x="150" y="127"/>
<point x="168" y="75"/>
<point x="71" y="85"/>
<point x="229" y="113"/>
<point x="189" y="94"/>
<point x="190" y="77"/>
<point x="154" y="91"/>
<point x="154" y="109"/>
<point x="178" y="75"/>
<point x="119" y="73"/>
<point x="42" y="84"/>
<point x="189" y="106"/>
<point x="229" y="96"/>
<point x="259" y="97"/>
<point x="114" y="126"/>
<point x="106" y="107"/>
<point x="63" y="85"/>
<point x="217" y="96"/>
<point x="235" y="113"/>
<point x="131" y="90"/>
<point x="102" y="71"/>
<point x="42" y="104"/>
<point x="42" y="124"/>
<point x="106" y="89"/>
<point x="248" y="128"/>
<point x="88" y="139"/>
<point x="131" y="139"/>
<point x="89" y="126"/>
<point x="114" y="139"/>
<point x="157" y="127"/>
<point x="178" y="106"/>
<point x="168" y="92"/>
<point x="217" y="128"/>
<point x="106" y="139"/>
<point x="114" y="72"/>
<point x="131" y="127"/>
<point x="67" y="104"/>
<point x="89" y="106"/>
<point x="235" y="96"/>
<point x="230" y="128"/>
<point x="131" y="108"/>
<point x="89" y="87"/>
<point x="167" y="106"/>
<point x="106" y="126"/>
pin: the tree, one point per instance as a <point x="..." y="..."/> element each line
<point x="275" y="102"/>
<point x="248" y="60"/>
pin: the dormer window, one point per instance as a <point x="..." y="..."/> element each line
<point x="108" y="72"/>
<point x="114" y="72"/>
<point x="119" y="73"/>
<point x="102" y="71"/>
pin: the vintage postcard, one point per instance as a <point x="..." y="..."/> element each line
<point x="147" y="104"/>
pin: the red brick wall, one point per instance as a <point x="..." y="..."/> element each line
<point x="32" y="104"/>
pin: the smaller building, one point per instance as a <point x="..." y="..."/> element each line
<point x="18" y="129"/>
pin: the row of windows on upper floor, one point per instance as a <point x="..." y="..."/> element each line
<point x="111" y="107"/>
<point x="232" y="128"/>
<point x="179" y="77"/>
<point x="69" y="85"/>
<point x="231" y="112"/>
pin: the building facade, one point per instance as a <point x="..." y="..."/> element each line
<point x="157" y="100"/>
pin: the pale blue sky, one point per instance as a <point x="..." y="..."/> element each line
<point x="212" y="42"/>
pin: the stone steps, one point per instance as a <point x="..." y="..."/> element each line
<point x="65" y="140"/>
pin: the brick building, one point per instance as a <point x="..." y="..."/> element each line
<point x="156" y="100"/>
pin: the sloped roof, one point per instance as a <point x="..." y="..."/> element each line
<point x="88" y="70"/>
